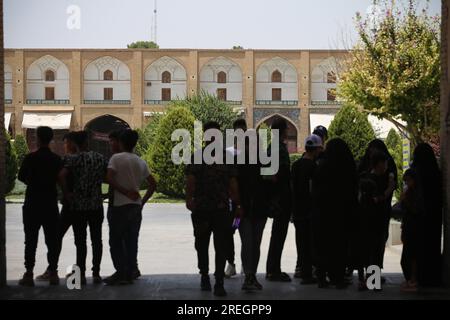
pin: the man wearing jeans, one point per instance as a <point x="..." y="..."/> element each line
<point x="88" y="170"/>
<point x="126" y="173"/>
<point x="209" y="187"/>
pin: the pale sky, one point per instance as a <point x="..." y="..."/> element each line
<point x="257" y="24"/>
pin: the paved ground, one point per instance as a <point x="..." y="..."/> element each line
<point x="167" y="259"/>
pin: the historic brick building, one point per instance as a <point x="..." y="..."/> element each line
<point x="98" y="89"/>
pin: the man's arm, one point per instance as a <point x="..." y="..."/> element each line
<point x="24" y="170"/>
<point x="131" y="194"/>
<point x="190" y="191"/>
<point x="62" y="180"/>
<point x="150" y="189"/>
<point x="234" y="195"/>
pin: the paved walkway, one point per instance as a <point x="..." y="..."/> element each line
<point x="167" y="258"/>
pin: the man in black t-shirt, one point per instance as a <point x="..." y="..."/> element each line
<point x="209" y="188"/>
<point x="302" y="173"/>
<point x="39" y="171"/>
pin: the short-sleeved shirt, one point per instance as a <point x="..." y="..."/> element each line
<point x="130" y="173"/>
<point x="88" y="170"/>
<point x="39" y="171"/>
<point x="212" y="184"/>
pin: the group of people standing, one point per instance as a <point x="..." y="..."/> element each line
<point x="80" y="174"/>
<point x="341" y="211"/>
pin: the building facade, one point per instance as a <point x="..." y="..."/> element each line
<point x="78" y="89"/>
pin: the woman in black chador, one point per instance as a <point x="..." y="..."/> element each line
<point x="429" y="260"/>
<point x="334" y="191"/>
<point x="375" y="146"/>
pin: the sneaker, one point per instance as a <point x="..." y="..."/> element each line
<point x="27" y="280"/>
<point x="219" y="290"/>
<point x="230" y="271"/>
<point x="44" y="277"/>
<point x="278" y="277"/>
<point x="136" y="274"/>
<point x="205" y="283"/>
<point x="410" y="286"/>
<point x="53" y="278"/>
<point x="297" y="273"/>
<point x="249" y="284"/>
<point x="96" y="278"/>
<point x="113" y="280"/>
<point x="256" y="283"/>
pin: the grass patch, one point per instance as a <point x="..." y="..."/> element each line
<point x="18" y="194"/>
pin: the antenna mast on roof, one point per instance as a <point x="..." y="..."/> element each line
<point x="154" y="31"/>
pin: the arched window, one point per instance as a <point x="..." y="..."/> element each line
<point x="166" y="77"/>
<point x="221" y="77"/>
<point x="49" y="75"/>
<point x="331" y="77"/>
<point x="276" y="76"/>
<point x="108" y="75"/>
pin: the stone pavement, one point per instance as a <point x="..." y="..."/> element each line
<point x="167" y="259"/>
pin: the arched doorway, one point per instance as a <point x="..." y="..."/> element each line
<point x="99" y="129"/>
<point x="291" y="132"/>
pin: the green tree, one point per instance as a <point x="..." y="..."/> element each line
<point x="206" y="107"/>
<point x="169" y="176"/>
<point x="394" y="69"/>
<point x="21" y="147"/>
<point x="143" y="45"/>
<point x="11" y="165"/>
<point x="353" y="127"/>
<point x="147" y="135"/>
<point x="238" y="47"/>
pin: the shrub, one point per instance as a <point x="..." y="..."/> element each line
<point x="170" y="177"/>
<point x="353" y="127"/>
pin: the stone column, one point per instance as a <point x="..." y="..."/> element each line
<point x="19" y="89"/>
<point x="304" y="92"/>
<point x="76" y="90"/>
<point x="192" y="73"/>
<point x="2" y="159"/>
<point x="137" y="81"/>
<point x="248" y="90"/>
<point x="445" y="133"/>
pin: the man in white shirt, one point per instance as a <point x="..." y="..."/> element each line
<point x="126" y="173"/>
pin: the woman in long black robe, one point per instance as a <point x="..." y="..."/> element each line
<point x="429" y="262"/>
<point x="364" y="167"/>
<point x="334" y="190"/>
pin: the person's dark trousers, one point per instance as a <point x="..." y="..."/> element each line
<point x="36" y="216"/>
<point x="93" y="219"/>
<point x="303" y="240"/>
<point x="205" y="224"/>
<point x="65" y="222"/>
<point x="278" y="237"/>
<point x="251" y="232"/>
<point x="109" y="212"/>
<point x="231" y="253"/>
<point x="386" y="225"/>
<point x="124" y="224"/>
